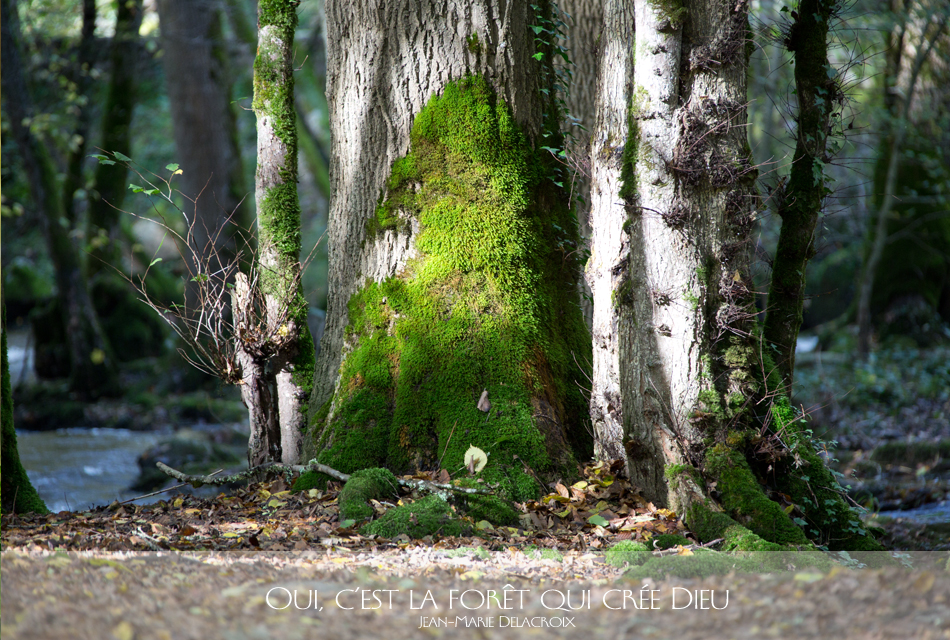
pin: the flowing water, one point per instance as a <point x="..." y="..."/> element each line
<point x="76" y="469"/>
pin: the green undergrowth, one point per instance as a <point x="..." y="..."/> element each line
<point x="489" y="304"/>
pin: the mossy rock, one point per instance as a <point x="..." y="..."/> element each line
<point x="363" y="486"/>
<point x="189" y="451"/>
<point x="427" y="516"/>
<point x="628" y="552"/>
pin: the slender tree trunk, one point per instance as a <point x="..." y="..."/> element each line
<point x="110" y="180"/>
<point x="197" y="78"/>
<point x="92" y="369"/>
<point x="608" y="271"/>
<point x="803" y="196"/>
<point x="452" y="275"/>
<point x="278" y="216"/>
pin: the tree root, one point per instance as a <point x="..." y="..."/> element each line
<point x="273" y="468"/>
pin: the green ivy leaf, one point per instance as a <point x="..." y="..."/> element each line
<point x="122" y="157"/>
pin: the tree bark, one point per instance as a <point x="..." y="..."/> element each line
<point x="803" y="195"/>
<point x="18" y="494"/>
<point x="607" y="270"/>
<point x="92" y="369"/>
<point x="85" y="61"/>
<point x="198" y="83"/>
<point x="408" y="241"/>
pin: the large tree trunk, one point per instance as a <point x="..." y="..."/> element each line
<point x="685" y="358"/>
<point x="451" y="271"/>
<point x="92" y="369"/>
<point x="197" y="79"/>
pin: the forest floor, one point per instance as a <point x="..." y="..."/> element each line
<point x="190" y="567"/>
<point x="227" y="567"/>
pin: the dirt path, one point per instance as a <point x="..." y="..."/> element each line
<point x="394" y="594"/>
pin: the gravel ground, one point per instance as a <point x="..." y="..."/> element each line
<point x="395" y="594"/>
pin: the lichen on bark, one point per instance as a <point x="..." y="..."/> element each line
<point x="488" y="303"/>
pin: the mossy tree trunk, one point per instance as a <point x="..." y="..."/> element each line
<point x="802" y="196"/>
<point x="92" y="368"/>
<point x="18" y="494"/>
<point x="105" y="204"/>
<point x="686" y="360"/>
<point x="278" y="219"/>
<point x="198" y="80"/>
<point x="452" y="277"/>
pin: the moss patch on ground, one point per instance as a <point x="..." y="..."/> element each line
<point x="706" y="562"/>
<point x="365" y="485"/>
<point x="628" y="552"/>
<point x="489" y="304"/>
<point x="427" y="516"/>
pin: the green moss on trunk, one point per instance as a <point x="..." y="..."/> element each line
<point x="18" y="494"/>
<point x="814" y="489"/>
<point x="742" y="496"/>
<point x="489" y="304"/>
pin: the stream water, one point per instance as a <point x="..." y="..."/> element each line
<point x="75" y="469"/>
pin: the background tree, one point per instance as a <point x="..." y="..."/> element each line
<point x="198" y="79"/>
<point x="801" y="197"/>
<point x="902" y="213"/>
<point x="103" y="229"/>
<point x="452" y="319"/>
<point x="92" y="370"/>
